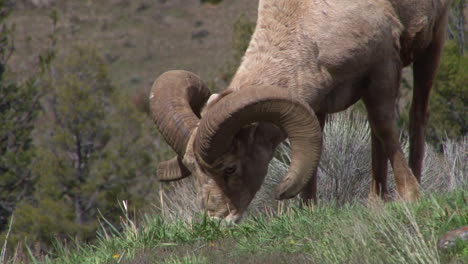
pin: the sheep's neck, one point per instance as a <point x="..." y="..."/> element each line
<point x="280" y="55"/>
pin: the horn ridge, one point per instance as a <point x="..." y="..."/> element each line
<point x="275" y="105"/>
<point x="176" y="100"/>
<point x="172" y="170"/>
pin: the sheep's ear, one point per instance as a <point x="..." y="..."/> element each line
<point x="172" y="170"/>
<point x="214" y="98"/>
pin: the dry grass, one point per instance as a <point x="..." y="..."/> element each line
<point x="179" y="200"/>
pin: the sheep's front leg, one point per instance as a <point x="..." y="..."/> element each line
<point x="309" y="193"/>
<point x="380" y="100"/>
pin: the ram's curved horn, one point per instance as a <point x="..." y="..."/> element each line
<point x="175" y="102"/>
<point x="275" y="105"/>
<point x="172" y="170"/>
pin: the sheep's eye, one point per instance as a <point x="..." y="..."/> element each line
<point x="230" y="170"/>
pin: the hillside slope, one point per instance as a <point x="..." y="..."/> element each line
<point x="139" y="39"/>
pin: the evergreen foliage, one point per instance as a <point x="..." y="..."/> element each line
<point x="93" y="150"/>
<point x="456" y="24"/>
<point x="449" y="100"/>
<point x="18" y="109"/>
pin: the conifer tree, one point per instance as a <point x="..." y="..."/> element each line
<point x="18" y="108"/>
<point x="94" y="149"/>
<point x="449" y="100"/>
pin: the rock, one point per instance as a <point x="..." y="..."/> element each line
<point x="448" y="240"/>
<point x="203" y="33"/>
<point x="42" y="3"/>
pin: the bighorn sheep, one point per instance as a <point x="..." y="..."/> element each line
<point x="306" y="58"/>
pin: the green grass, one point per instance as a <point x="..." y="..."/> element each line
<point x="353" y="233"/>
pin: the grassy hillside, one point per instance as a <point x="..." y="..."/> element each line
<point x="353" y="233"/>
<point x="343" y="228"/>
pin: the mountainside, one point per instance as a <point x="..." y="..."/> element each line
<point x="139" y="39"/>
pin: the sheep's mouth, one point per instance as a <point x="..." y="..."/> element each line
<point x="233" y="218"/>
<point x="216" y="212"/>
<point x="228" y="220"/>
<point x="224" y="214"/>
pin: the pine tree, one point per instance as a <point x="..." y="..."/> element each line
<point x="94" y="149"/>
<point x="449" y="100"/>
<point x="18" y="109"/>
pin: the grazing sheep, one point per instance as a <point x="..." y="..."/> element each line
<point x="307" y="58"/>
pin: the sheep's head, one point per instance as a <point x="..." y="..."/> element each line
<point x="228" y="148"/>
<point x="229" y="183"/>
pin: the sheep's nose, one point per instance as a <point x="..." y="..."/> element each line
<point x="211" y="213"/>
<point x="233" y="218"/>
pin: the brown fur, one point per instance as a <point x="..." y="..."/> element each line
<point x="333" y="53"/>
<point x="330" y="54"/>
